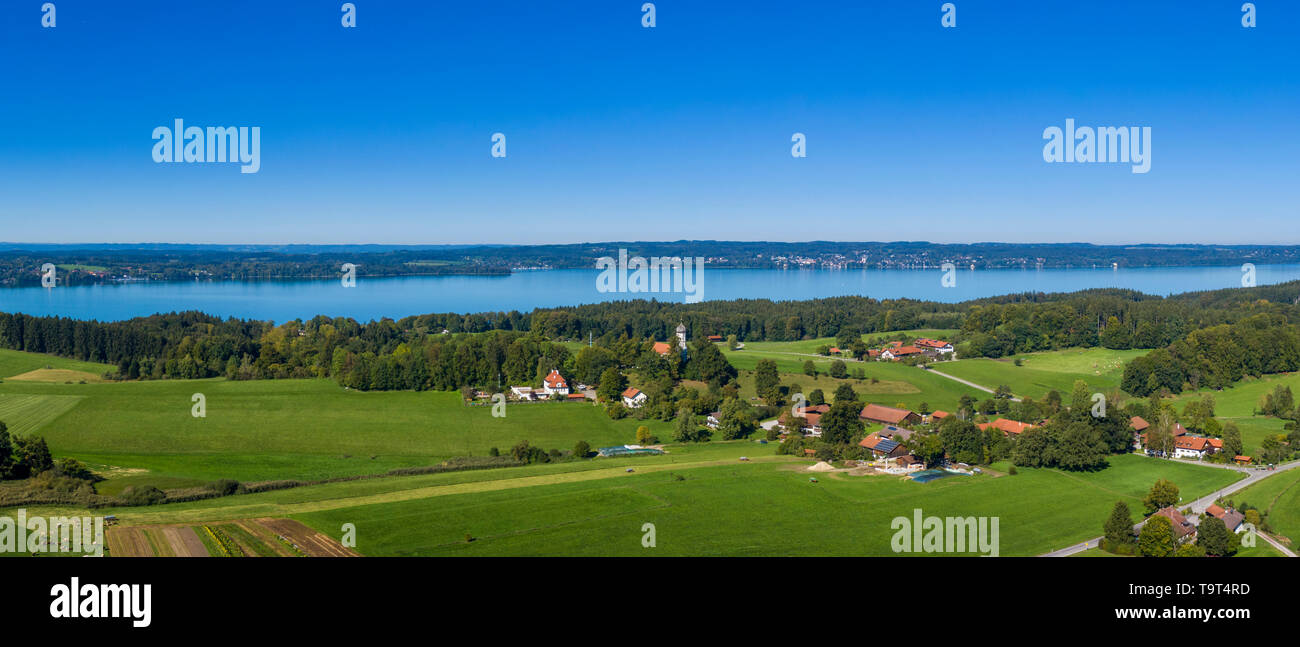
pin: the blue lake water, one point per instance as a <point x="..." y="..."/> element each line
<point x="399" y="297"/>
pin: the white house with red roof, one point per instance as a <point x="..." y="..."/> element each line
<point x="936" y="345"/>
<point x="900" y="352"/>
<point x="633" y="398"/>
<point x="554" y="383"/>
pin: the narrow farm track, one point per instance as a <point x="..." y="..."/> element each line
<point x="967" y="383"/>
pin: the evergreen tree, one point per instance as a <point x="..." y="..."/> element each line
<point x="1119" y="527"/>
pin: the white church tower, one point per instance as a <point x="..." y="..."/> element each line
<point x="681" y="336"/>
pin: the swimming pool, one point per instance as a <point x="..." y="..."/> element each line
<point x="925" y="476"/>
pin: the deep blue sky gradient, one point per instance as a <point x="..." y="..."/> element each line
<point x="380" y="134"/>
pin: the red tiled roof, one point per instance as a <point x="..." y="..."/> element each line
<point x="555" y="380"/>
<point x="812" y="419"/>
<point x="884" y="414"/>
<point x="1215" y="511"/>
<point x="1216" y="443"/>
<point x="931" y="343"/>
<point x="905" y="350"/>
<point x="1191" y="442"/>
<point x="661" y="347"/>
<point x="939" y="415"/>
<point x="1179" y="522"/>
<point x="1006" y="426"/>
<point x="817" y="408"/>
<point x="1242" y="459"/>
<point x="631" y="392"/>
<point x="1136" y="423"/>
<point x="871" y="441"/>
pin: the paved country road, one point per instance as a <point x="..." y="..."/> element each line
<point x="1198" y="506"/>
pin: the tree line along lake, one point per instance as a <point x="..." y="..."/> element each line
<point x="396" y="297"/>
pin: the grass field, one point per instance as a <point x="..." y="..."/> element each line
<point x="24" y="413"/>
<point x="13" y="362"/>
<point x="716" y="510"/>
<point x="1040" y="373"/>
<point x="701" y="500"/>
<point x="898" y="383"/>
<point x="1279" y="496"/>
<point x="1237" y="403"/>
<point x="306" y="429"/>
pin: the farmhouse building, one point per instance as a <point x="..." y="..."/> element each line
<point x="1184" y="530"/>
<point x="936" y="346"/>
<point x="1232" y="519"/>
<point x="1007" y="426"/>
<point x="888" y="415"/>
<point x="1191" y="447"/>
<point x="902" y="352"/>
<point x="882" y="447"/>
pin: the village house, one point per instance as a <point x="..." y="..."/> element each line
<point x="1191" y="447"/>
<point x="1141" y="441"/>
<point x="902" y="352"/>
<point x="1241" y="460"/>
<point x="715" y="338"/>
<point x="812" y="418"/>
<point x="888" y="415"/>
<point x="633" y="398"/>
<point x="882" y="447"/>
<point x="1007" y="426"/>
<point x="812" y="425"/>
<point x="937" y="416"/>
<point x="936" y="346"/>
<point x="554" y="383"/>
<point x="1184" y="530"/>
<point x="1233" y="520"/>
<point x="713" y="420"/>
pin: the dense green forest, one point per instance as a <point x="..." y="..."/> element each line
<point x="1198" y="339"/>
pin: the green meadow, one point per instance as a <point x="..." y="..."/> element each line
<point x="279" y="429"/>
<point x="13" y="362"/>
<point x="1279" y="497"/>
<point x="896" y="383"/>
<point x="1238" y="402"/>
<point x="1040" y="373"/>
<point x="755" y="508"/>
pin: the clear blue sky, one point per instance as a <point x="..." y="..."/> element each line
<point x="381" y="134"/>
